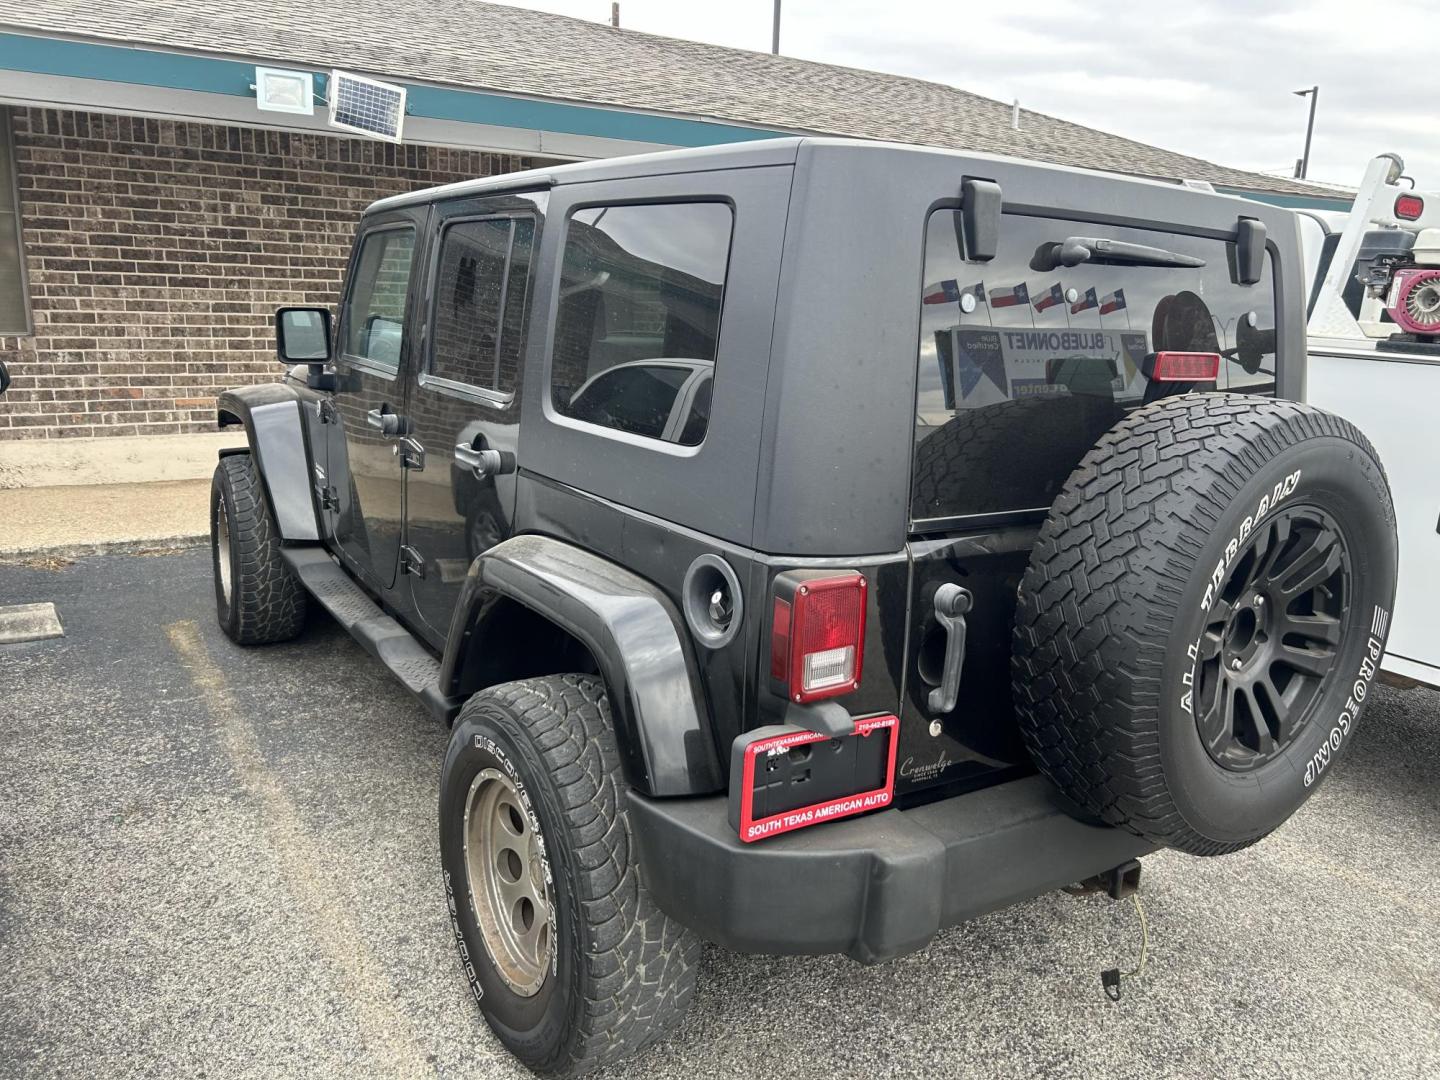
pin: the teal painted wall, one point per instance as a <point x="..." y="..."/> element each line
<point x="1293" y="202"/>
<point x="175" y="71"/>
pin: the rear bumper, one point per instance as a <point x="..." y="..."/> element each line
<point x="873" y="887"/>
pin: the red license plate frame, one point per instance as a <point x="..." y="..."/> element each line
<point x="837" y="809"/>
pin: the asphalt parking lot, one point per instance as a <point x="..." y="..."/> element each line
<point x="218" y="862"/>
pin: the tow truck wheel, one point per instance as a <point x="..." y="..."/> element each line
<point x="257" y="599"/>
<point x="1203" y="615"/>
<point x="573" y="965"/>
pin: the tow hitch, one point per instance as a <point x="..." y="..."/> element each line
<point x="1118" y="883"/>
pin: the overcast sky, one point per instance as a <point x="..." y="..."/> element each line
<point x="1212" y="78"/>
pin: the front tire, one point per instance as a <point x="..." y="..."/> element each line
<point x="573" y="965"/>
<point x="257" y="599"/>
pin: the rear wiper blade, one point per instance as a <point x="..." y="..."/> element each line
<point x="1075" y="250"/>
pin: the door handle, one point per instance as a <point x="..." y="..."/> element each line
<point x="951" y="604"/>
<point x="484" y="463"/>
<point x="389" y="422"/>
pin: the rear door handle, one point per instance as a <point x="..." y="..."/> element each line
<point x="484" y="463"/>
<point x="389" y="422"/>
<point x="952" y="602"/>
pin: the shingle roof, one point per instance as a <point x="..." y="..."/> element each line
<point x="514" y="50"/>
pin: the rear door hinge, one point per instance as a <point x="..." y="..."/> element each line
<point x="411" y="561"/>
<point x="411" y="454"/>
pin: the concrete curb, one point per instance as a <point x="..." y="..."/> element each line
<point x="156" y="545"/>
<point x="29" y="622"/>
<point x="97" y="516"/>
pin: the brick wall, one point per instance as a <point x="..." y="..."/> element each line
<point x="158" y="252"/>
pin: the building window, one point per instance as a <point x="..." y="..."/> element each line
<point x="14" y="303"/>
<point x="479" y="322"/>
<point x="638" y="324"/>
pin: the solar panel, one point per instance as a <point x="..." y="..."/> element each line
<point x="365" y="106"/>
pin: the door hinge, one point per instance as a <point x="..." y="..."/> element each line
<point x="411" y="561"/>
<point x="411" y="454"/>
<point x="329" y="498"/>
<point x="325" y="410"/>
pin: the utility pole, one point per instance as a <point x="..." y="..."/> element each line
<point x="1303" y="169"/>
<point x="615" y="13"/>
<point x="775" y="36"/>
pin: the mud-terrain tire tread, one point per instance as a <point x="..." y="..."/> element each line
<point x="268" y="603"/>
<point x="638" y="973"/>
<point x="1087" y="655"/>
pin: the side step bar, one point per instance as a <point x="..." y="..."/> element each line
<point x="383" y="637"/>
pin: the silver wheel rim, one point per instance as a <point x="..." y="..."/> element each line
<point x="222" y="548"/>
<point x="508" y="881"/>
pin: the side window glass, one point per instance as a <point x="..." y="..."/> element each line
<point x="481" y="298"/>
<point x="639" y="316"/>
<point x="375" y="308"/>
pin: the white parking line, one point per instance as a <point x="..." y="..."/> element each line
<point x="367" y="987"/>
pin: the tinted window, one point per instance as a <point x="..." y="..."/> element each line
<point x="1013" y="391"/>
<point x="639" y="316"/>
<point x="375" y="309"/>
<point x="484" y="285"/>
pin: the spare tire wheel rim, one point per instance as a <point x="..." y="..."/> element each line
<point x="507" y="881"/>
<point x="1272" y="637"/>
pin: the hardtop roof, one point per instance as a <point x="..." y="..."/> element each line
<point x="760" y="153"/>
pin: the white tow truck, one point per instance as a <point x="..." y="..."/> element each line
<point x="1374" y="358"/>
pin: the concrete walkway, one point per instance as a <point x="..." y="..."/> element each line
<point x="77" y="519"/>
<point x="138" y="459"/>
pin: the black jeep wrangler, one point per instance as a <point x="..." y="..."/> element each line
<point x="813" y="544"/>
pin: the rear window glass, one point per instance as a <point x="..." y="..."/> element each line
<point x="638" y="322"/>
<point x="1022" y="369"/>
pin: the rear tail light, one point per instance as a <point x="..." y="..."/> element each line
<point x="1409" y="207"/>
<point x="1182" y="366"/>
<point x="817" y="639"/>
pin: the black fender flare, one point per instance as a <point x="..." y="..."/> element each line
<point x="634" y="633"/>
<point x="275" y="426"/>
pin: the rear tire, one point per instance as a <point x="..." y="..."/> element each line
<point x="1202" y="616"/>
<point x="257" y="599"/>
<point x="607" y="973"/>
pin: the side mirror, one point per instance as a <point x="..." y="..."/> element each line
<point x="4" y="377"/>
<point x="302" y="335"/>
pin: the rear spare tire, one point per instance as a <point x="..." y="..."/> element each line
<point x="1202" y="617"/>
